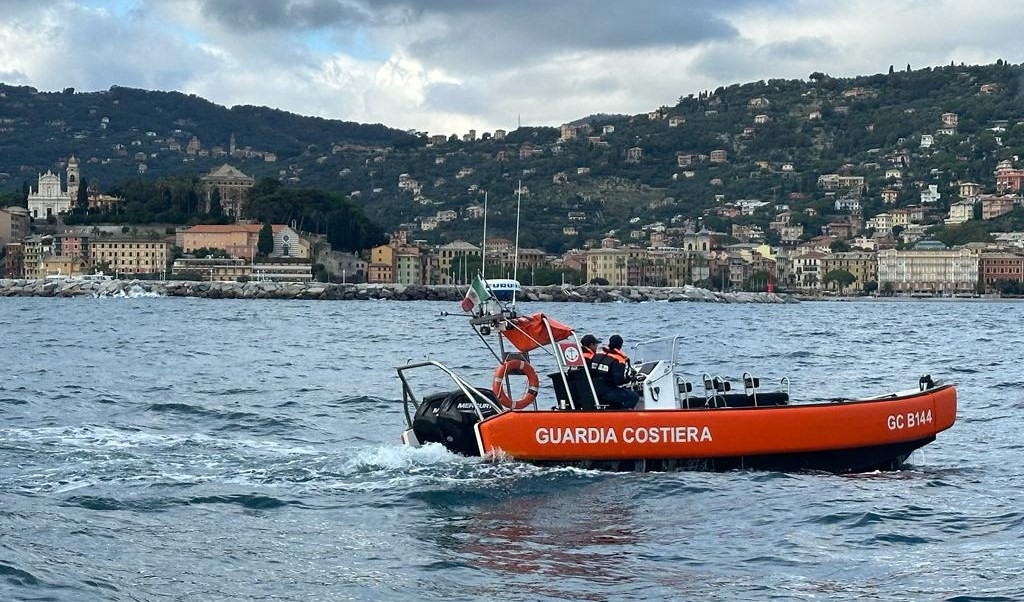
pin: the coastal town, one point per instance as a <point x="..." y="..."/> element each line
<point x="888" y="253"/>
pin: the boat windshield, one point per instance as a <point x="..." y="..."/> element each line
<point x="663" y="349"/>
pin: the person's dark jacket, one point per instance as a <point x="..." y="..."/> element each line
<point x="608" y="372"/>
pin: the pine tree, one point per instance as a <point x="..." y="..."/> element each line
<point x="891" y="69"/>
<point x="216" y="210"/>
<point x="265" y="243"/>
<point x="82" y="201"/>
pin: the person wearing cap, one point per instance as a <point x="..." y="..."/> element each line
<point x="589" y="345"/>
<point x="609" y="370"/>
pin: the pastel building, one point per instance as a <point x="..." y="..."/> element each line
<point x="129" y="255"/>
<point x="241" y="240"/>
<point x="928" y="271"/>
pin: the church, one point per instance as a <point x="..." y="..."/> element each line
<point x="48" y="198"/>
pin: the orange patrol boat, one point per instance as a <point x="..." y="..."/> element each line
<point x="671" y="426"/>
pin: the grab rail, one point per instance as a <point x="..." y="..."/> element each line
<point x="471" y="393"/>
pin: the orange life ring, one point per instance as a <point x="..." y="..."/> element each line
<point x="515" y="366"/>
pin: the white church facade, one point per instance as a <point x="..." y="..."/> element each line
<point x="48" y="198"/>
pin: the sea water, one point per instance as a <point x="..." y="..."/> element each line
<point x="188" y="449"/>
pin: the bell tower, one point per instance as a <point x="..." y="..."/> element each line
<point x="73" y="178"/>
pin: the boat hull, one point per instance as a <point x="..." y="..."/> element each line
<point x="849" y="436"/>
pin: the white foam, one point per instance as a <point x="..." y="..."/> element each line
<point x="400" y="457"/>
<point x="132" y="292"/>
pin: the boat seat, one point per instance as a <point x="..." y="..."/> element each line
<point x="741" y="400"/>
<point x="578" y="386"/>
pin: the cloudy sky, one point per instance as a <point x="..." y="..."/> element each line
<point x="446" y="66"/>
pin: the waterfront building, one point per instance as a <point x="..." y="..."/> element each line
<point x="863" y="266"/>
<point x="36" y="250"/>
<point x="453" y="261"/>
<point x="283" y="269"/>
<point x="928" y="271"/>
<point x="806" y="270"/>
<point x="14" y="224"/>
<point x="221" y="269"/>
<point x="381" y="269"/>
<point x="607" y="264"/>
<point x="241" y="240"/>
<point x="410" y="265"/>
<point x="1001" y="267"/>
<point x="14" y="260"/>
<point x="129" y="255"/>
<point x="65" y="265"/>
<point x="71" y="245"/>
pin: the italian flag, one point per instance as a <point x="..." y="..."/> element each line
<point x="476" y="296"/>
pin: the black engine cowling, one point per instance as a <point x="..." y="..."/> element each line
<point x="448" y="419"/>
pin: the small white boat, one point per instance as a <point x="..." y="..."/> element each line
<point x="503" y="289"/>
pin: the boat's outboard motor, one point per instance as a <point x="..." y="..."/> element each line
<point x="448" y="419"/>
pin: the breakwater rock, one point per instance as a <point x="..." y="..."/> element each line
<point x="397" y="292"/>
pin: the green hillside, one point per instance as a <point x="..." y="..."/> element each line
<point x="858" y="126"/>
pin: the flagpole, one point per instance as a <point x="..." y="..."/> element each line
<point x="483" y="260"/>
<point x="515" y="265"/>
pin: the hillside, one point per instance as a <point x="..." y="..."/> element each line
<point x="767" y="141"/>
<point x="107" y="130"/>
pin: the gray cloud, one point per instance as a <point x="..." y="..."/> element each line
<point x="455" y="64"/>
<point x="477" y="33"/>
<point x="286" y="14"/>
<point x="14" y="77"/>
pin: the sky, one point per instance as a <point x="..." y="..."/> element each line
<point x="448" y="66"/>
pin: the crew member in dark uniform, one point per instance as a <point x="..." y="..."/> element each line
<point x="589" y="345"/>
<point x="609" y="371"/>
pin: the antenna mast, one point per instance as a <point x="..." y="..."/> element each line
<point x="483" y="257"/>
<point x="515" y="264"/>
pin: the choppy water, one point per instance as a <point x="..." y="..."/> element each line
<point x="184" y="449"/>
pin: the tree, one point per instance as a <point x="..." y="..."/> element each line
<point x="890" y="69"/>
<point x="841" y="278"/>
<point x="216" y="210"/>
<point x="265" y="244"/>
<point x="839" y="246"/>
<point x="82" y="200"/>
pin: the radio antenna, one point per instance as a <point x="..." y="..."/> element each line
<point x="515" y="264"/>
<point x="483" y="257"/>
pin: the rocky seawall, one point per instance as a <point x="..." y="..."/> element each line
<point x="397" y="292"/>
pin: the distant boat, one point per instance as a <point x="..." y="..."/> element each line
<point x="98" y="277"/>
<point x="503" y="289"/>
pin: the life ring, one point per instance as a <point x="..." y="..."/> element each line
<point x="515" y="366"/>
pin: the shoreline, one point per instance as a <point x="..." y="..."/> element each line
<point x="350" y="292"/>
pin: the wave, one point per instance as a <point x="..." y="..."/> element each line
<point x="252" y="501"/>
<point x="16" y="576"/>
<point x="237" y="420"/>
<point x="132" y="292"/>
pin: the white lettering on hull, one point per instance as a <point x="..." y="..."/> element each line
<point x="908" y="420"/>
<point x="633" y="435"/>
